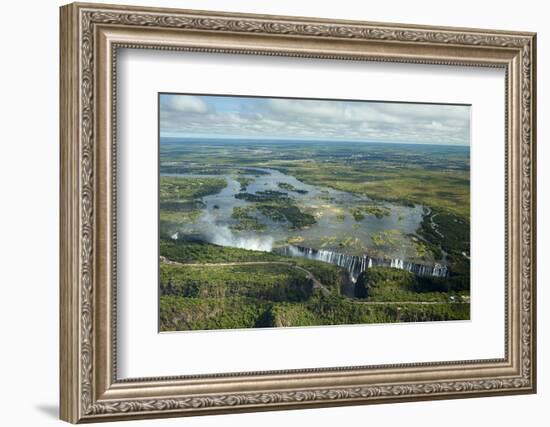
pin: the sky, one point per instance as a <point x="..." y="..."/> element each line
<point x="206" y="116"/>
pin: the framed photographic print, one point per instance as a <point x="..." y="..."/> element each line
<point x="290" y="212"/>
<point x="265" y="212"/>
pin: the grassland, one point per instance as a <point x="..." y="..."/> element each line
<point x="434" y="176"/>
<point x="278" y="207"/>
<point x="246" y="219"/>
<point x="444" y="190"/>
<point x="290" y="187"/>
<point x="180" y="198"/>
<point x="359" y="212"/>
<point x="186" y="189"/>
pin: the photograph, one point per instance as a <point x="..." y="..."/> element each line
<point x="296" y="212"/>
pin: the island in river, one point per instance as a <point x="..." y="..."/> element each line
<point x="272" y="233"/>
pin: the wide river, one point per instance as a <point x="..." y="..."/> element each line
<point x="335" y="229"/>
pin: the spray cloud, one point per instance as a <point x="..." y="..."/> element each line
<point x="222" y="235"/>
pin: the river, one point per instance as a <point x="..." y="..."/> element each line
<point x="335" y="229"/>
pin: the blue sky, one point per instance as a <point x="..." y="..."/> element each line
<point x="249" y="117"/>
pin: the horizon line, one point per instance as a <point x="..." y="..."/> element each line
<point x="311" y="139"/>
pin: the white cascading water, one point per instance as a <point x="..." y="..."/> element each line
<point x="355" y="265"/>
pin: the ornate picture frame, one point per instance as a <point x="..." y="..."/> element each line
<point x="90" y="37"/>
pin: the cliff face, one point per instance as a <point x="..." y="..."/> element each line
<point x="204" y="286"/>
<point x="355" y="265"/>
<point x="269" y="281"/>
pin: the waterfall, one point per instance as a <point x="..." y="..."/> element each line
<point x="355" y="264"/>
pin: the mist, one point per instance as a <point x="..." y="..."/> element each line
<point x="222" y="235"/>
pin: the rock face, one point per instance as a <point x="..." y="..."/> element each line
<point x="355" y="265"/>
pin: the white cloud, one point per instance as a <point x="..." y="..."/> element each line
<point x="185" y="104"/>
<point x="295" y="118"/>
<point x="330" y="111"/>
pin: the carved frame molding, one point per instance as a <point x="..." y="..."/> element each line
<point x="89" y="387"/>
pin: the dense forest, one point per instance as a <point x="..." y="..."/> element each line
<point x="204" y="286"/>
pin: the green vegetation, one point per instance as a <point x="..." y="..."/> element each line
<point x="340" y="216"/>
<point x="386" y="239"/>
<point x="290" y="187"/>
<point x="333" y="310"/>
<point x="283" y="291"/>
<point x="267" y="196"/>
<point x="344" y="242"/>
<point x="274" y="282"/>
<point x="435" y="176"/>
<point x="277" y="206"/>
<point x="245" y="220"/>
<point x="181" y="314"/>
<point x="403" y="185"/>
<point x="350" y="242"/>
<point x="184" y="189"/>
<point x="389" y="284"/>
<point x="179" y="216"/>
<point x="244" y="181"/>
<point x="217" y="289"/>
<point x="450" y="233"/>
<point x="294" y="240"/>
<point x="287" y="212"/>
<point x="180" y="198"/>
<point x="198" y="252"/>
<point x="191" y="251"/>
<point x="425" y="250"/>
<point x="359" y="212"/>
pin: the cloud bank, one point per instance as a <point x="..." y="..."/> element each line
<point x="251" y="117"/>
